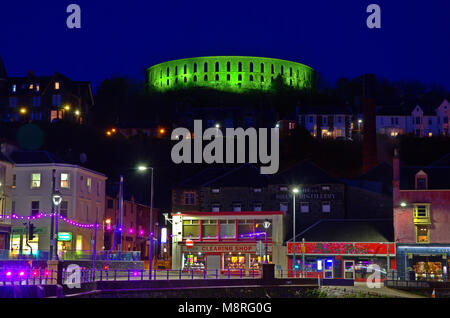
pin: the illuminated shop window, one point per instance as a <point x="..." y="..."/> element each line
<point x="191" y="229"/>
<point x="209" y="229"/>
<point x="227" y="229"/>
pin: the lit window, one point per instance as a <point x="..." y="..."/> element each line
<point x="65" y="181"/>
<point x="189" y="198"/>
<point x="56" y="85"/>
<point x="89" y="184"/>
<point x="257" y="207"/>
<point x="14" y="88"/>
<point x="14" y="181"/>
<point x="283" y="188"/>
<point x="37" y="87"/>
<point x="35" y="180"/>
<point x="422" y="234"/>
<point x="237" y="207"/>
<point x="304" y="207"/>
<point x="257" y="190"/>
<point x="326" y="207"/>
<point x="215" y="190"/>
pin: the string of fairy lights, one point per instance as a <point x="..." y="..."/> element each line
<point x="109" y="227"/>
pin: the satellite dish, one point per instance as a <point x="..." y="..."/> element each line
<point x="83" y="157"/>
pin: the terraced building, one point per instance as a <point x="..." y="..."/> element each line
<point x="229" y="73"/>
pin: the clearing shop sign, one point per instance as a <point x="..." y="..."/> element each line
<point x="223" y="248"/>
<point x="337" y="248"/>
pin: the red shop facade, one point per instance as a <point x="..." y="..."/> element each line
<point x="343" y="260"/>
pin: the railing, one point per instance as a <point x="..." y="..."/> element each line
<point x="73" y="255"/>
<point x="18" y="276"/>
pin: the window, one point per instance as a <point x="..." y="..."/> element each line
<point x="34" y="208"/>
<point x="227" y="229"/>
<point x="217" y="66"/>
<point x="168" y="71"/>
<point x="228" y="67"/>
<point x="228" y="77"/>
<point x="245" y="227"/>
<point x="239" y="77"/>
<point x="251" y="78"/>
<point x="217" y="77"/>
<point x="237" y="207"/>
<point x="272" y="69"/>
<point x="421" y="183"/>
<point x="65" y="181"/>
<point x="195" y="67"/>
<point x="215" y="190"/>
<point x="98" y="188"/>
<point x="326" y="207"/>
<point x="13" y="102"/>
<point x="257" y="206"/>
<point x="240" y="67"/>
<point x="14" y="88"/>
<point x="396" y="120"/>
<point x="262" y="67"/>
<point x="57" y="86"/>
<point x="282" y="70"/>
<point x="191" y="229"/>
<point x="304" y="207"/>
<point x="422" y="234"/>
<point x="257" y="190"/>
<point x="13" y="206"/>
<point x="89" y="184"/>
<point x="326" y="188"/>
<point x="36" y="101"/>
<point x="417" y="120"/>
<point x="215" y="207"/>
<point x="35" y="180"/>
<point x="290" y="71"/>
<point x="209" y="229"/>
<point x="185" y="68"/>
<point x="206" y="78"/>
<point x="14" y="181"/>
<point x="251" y="67"/>
<point x="64" y="208"/>
<point x="195" y="78"/>
<point x="262" y="79"/>
<point x="283" y="189"/>
<point x="205" y="67"/>
<point x="56" y="100"/>
<point x="189" y="198"/>
<point x="283" y="206"/>
<point x="110" y="204"/>
<point x="421" y="211"/>
<point x="176" y="70"/>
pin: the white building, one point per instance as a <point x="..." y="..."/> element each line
<point x="393" y="121"/>
<point x="83" y="202"/>
<point x="226" y="241"/>
<point x="326" y="121"/>
<point x="6" y="177"/>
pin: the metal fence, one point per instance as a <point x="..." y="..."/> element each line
<point x="73" y="255"/>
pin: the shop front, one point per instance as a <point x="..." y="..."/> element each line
<point x="343" y="260"/>
<point x="236" y="258"/>
<point x="423" y="262"/>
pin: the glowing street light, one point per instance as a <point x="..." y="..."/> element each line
<point x="77" y="113"/>
<point x="294" y="191"/>
<point x="67" y="107"/>
<point x="23" y="110"/>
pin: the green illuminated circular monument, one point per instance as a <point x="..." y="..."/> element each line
<point x="229" y="73"/>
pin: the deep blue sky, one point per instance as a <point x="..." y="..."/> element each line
<point x="125" y="37"/>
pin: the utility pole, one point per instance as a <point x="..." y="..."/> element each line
<point x="150" y="260"/>
<point x="95" y="242"/>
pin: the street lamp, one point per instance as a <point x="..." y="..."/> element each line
<point x="294" y="191"/>
<point x="57" y="199"/>
<point x="266" y="225"/>
<point x="142" y="168"/>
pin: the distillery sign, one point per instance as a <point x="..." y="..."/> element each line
<point x="222" y="248"/>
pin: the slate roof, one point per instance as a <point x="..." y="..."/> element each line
<point x="351" y="230"/>
<point x="438" y="177"/>
<point x="303" y="173"/>
<point x="36" y="157"/>
<point x="326" y="110"/>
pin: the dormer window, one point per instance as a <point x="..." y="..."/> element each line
<point x="14" y="88"/>
<point x="56" y="85"/>
<point x="421" y="181"/>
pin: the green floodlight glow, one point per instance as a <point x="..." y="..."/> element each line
<point x="229" y="73"/>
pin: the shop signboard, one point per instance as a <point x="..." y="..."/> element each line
<point x="64" y="236"/>
<point x="344" y="248"/>
<point x="223" y="248"/>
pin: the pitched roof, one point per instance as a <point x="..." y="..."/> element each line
<point x="351" y="230"/>
<point x="438" y="177"/>
<point x="326" y="110"/>
<point x="246" y="175"/>
<point x="303" y="173"/>
<point x="35" y="157"/>
<point x="443" y="162"/>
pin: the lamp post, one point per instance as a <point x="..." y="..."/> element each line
<point x="294" y="191"/>
<point x="266" y="225"/>
<point x="150" y="256"/>
<point x="56" y="198"/>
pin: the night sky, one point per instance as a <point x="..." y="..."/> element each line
<point x="126" y="37"/>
